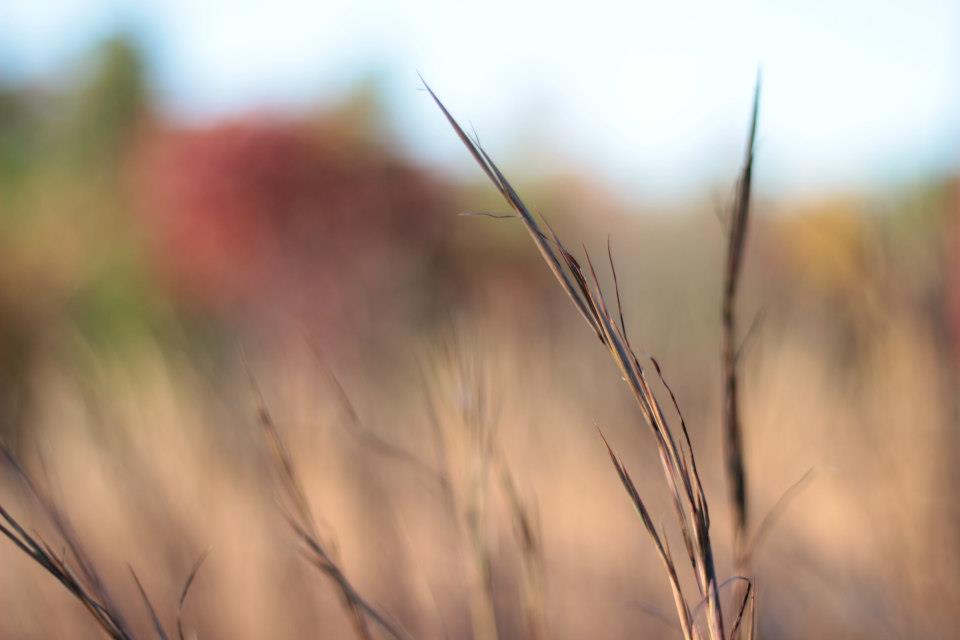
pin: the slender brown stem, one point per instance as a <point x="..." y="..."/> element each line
<point x="301" y="520"/>
<point x="731" y="419"/>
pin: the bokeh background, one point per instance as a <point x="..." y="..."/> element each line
<point x="182" y="183"/>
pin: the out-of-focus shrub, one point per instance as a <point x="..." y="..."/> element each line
<point x="268" y="214"/>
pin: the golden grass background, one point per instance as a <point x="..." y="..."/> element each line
<point x="156" y="456"/>
<point x="147" y="261"/>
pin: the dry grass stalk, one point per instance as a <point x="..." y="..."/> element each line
<point x="85" y="583"/>
<point x="107" y="618"/>
<point x="478" y="412"/>
<point x="480" y="409"/>
<point x="154" y="618"/>
<point x="745" y="543"/>
<point x="300" y="518"/>
<point x="185" y="591"/>
<point x="732" y="436"/>
<point x="678" y="462"/>
<point x="526" y="528"/>
<point x="468" y="520"/>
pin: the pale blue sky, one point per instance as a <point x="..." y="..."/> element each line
<point x="653" y="96"/>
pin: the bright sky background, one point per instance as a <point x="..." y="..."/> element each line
<point x="653" y="96"/>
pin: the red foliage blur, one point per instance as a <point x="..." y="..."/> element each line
<point x="268" y="214"/>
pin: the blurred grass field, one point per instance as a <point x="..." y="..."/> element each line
<point x="143" y="257"/>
